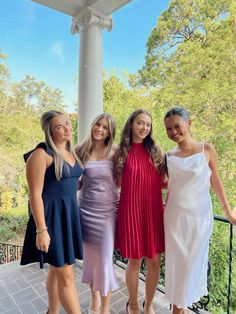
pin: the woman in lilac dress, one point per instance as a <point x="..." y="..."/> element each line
<point x="98" y="198"/>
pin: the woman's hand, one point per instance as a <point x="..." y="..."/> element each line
<point x="164" y="181"/>
<point x="80" y="184"/>
<point x="43" y="241"/>
<point x="231" y="215"/>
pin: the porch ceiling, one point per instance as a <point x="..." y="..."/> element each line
<point x="72" y="7"/>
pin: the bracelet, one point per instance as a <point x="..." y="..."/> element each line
<point x="223" y="204"/>
<point x="42" y="230"/>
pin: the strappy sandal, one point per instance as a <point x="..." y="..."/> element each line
<point x="93" y="311"/>
<point x="128" y="304"/>
<point x="144" y="306"/>
<point x="127" y="307"/>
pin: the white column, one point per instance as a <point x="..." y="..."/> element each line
<point x="89" y="24"/>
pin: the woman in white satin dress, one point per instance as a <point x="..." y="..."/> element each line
<point x="188" y="218"/>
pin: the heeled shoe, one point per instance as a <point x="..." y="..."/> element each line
<point x="144" y="307"/>
<point x="93" y="311"/>
<point x="127" y="306"/>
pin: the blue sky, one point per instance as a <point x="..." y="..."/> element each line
<point x="38" y="42"/>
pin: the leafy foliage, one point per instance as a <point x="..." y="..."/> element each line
<point x="190" y="62"/>
<point x="21" y="105"/>
<point x="12" y="227"/>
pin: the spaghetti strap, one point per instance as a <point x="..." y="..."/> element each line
<point x="203" y="148"/>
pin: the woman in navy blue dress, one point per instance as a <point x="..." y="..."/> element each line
<point x="53" y="233"/>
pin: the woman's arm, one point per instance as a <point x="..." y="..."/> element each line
<point x="35" y="172"/>
<point x="118" y="177"/>
<point x="164" y="181"/>
<point x="216" y="183"/>
<point x="164" y="173"/>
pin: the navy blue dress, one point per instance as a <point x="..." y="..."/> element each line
<point x="61" y="216"/>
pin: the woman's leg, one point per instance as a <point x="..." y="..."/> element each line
<point x="95" y="301"/>
<point x="66" y="289"/>
<point x="51" y="286"/>
<point x="132" y="278"/>
<point x="177" y="310"/>
<point x="152" y="278"/>
<point x="105" y="303"/>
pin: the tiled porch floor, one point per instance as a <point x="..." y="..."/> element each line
<point x="22" y="290"/>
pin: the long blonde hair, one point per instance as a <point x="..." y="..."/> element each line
<point x="85" y="149"/>
<point x="45" y="121"/>
<point x="126" y="142"/>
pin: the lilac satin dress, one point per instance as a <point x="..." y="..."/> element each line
<point x="98" y="199"/>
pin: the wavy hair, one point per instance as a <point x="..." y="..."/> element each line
<point x="85" y="149"/>
<point x="45" y="121"/>
<point x="126" y="142"/>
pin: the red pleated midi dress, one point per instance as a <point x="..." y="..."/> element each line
<point x="140" y="231"/>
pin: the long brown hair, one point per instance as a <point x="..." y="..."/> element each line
<point x="126" y="142"/>
<point x="85" y="149"/>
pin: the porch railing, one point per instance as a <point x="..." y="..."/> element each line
<point x="204" y="302"/>
<point x="10" y="252"/>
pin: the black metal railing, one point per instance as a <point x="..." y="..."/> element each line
<point x="230" y="260"/>
<point x="204" y="302"/>
<point x="9" y="252"/>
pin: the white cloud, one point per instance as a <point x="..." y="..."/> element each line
<point x="57" y="49"/>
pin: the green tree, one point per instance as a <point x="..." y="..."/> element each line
<point x="120" y="100"/>
<point x="37" y="95"/>
<point x="20" y="107"/>
<point x="191" y="61"/>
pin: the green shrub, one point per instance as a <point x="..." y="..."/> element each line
<point x="12" y="227"/>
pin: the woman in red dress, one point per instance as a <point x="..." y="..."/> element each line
<point x="140" y="216"/>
